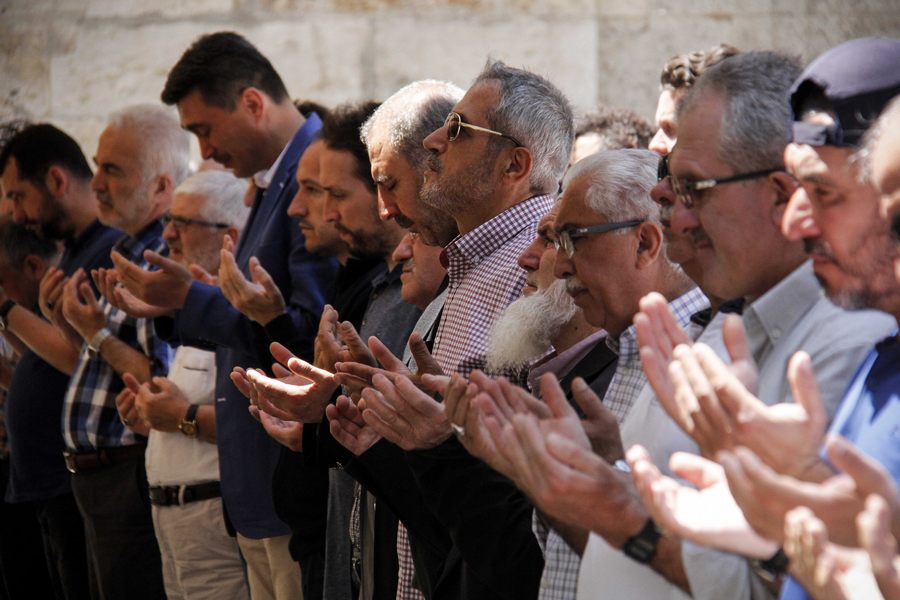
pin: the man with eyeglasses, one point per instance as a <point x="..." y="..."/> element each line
<point x="177" y="415"/>
<point x="725" y="190"/>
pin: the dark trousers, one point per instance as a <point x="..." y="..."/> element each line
<point x="23" y="569"/>
<point x="115" y="505"/>
<point x="64" y="546"/>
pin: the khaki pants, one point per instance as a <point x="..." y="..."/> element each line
<point x="200" y="559"/>
<point x="272" y="573"/>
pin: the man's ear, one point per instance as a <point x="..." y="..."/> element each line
<point x="34" y="267"/>
<point x="253" y="101"/>
<point x="650" y="243"/>
<point x="518" y="165"/>
<point x="57" y="182"/>
<point x="234" y="233"/>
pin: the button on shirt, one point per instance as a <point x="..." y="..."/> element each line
<point x="90" y="420"/>
<point x="484" y="279"/>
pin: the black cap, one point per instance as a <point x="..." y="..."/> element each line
<point x="858" y="78"/>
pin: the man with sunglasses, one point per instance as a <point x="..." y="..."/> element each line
<point x="177" y="413"/>
<point x="724" y="190"/>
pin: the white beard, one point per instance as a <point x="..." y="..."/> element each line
<point x="524" y="331"/>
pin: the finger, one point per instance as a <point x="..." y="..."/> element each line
<point x="311" y="372"/>
<point x="874" y="524"/>
<point x="521" y="401"/>
<point x="163" y="262"/>
<point x="131" y="382"/>
<point x="870" y="476"/>
<point x="700" y="471"/>
<point x="240" y="381"/>
<point x="201" y="274"/>
<point x="456" y="403"/>
<point x="280" y="353"/>
<point x="437" y="384"/>
<point x="280" y="371"/>
<point x="425" y="362"/>
<point x="577" y="457"/>
<point x="415" y="398"/>
<point x="384" y="356"/>
<point x="262" y="277"/>
<point x="684" y="403"/>
<point x="709" y="420"/>
<point x="806" y="391"/>
<point x="89" y="298"/>
<point x="358" y="349"/>
<point x="735" y="338"/>
<point x="357" y="371"/>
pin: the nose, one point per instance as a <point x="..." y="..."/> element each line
<point x="661" y="143"/>
<point x="403" y="251"/>
<point x="530" y="259"/>
<point x="18" y="213"/>
<point x="387" y="209"/>
<point x="98" y="182"/>
<point x="563" y="269"/>
<point x="799" y="221"/>
<point x="330" y="210"/>
<point x="170" y="232"/>
<point x="436" y="141"/>
<point x="297" y="207"/>
<point x="207" y="150"/>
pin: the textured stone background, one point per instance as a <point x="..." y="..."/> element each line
<point x="73" y="61"/>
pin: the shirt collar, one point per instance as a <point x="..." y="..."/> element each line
<point x="466" y="251"/>
<point x="777" y="311"/>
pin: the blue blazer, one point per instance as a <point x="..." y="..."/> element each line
<point x="247" y="455"/>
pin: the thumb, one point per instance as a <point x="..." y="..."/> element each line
<point x="735" y="338"/>
<point x="806" y="390"/>
<point x="163" y="262"/>
<point x="869" y="475"/>
<point x="553" y="395"/>
<point x="701" y="472"/>
<point x="201" y="274"/>
<point x="131" y="382"/>
<point x="422" y="355"/>
<point x="384" y="355"/>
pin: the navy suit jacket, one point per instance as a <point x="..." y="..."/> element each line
<point x="247" y="455"/>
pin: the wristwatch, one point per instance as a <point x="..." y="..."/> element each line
<point x="4" y="310"/>
<point x="189" y="424"/>
<point x="95" y="342"/>
<point x="772" y="569"/>
<point x="642" y="546"/>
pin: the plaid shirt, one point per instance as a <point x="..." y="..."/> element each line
<point x="90" y="420"/>
<point x="484" y="279"/>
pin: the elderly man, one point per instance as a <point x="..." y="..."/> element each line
<point x="232" y="99"/>
<point x="141" y="157"/>
<point x="725" y="141"/>
<point x="177" y="413"/>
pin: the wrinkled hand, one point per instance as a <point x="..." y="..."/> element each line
<point x="165" y="288"/>
<point x="50" y="292"/>
<point x="118" y="296"/>
<point x="874" y="527"/>
<point x="766" y="496"/>
<point x="707" y="514"/>
<point x="287" y="433"/>
<point x="328" y="344"/>
<point x="125" y="405"/>
<point x="80" y="306"/>
<point x="162" y="405"/>
<point x="298" y="392"/>
<point x="360" y="373"/>
<point x="826" y="570"/>
<point x="658" y="335"/>
<point x="403" y="414"/>
<point x="572" y="484"/>
<point x="348" y="427"/>
<point x="260" y="299"/>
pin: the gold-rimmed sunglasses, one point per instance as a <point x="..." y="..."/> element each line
<point x="454" y="124"/>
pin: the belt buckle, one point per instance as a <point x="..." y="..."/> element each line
<point x="172" y="496"/>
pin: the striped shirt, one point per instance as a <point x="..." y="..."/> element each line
<point x="89" y="419"/>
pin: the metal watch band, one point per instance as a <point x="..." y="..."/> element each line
<point x="98" y="339"/>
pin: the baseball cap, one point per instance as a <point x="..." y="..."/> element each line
<point x="857" y="79"/>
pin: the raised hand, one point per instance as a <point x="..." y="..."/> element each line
<point x="162" y="404"/>
<point x="287" y="433"/>
<point x="874" y="526"/>
<point x="166" y="287"/>
<point x="80" y="306"/>
<point x="260" y="299"/>
<point x="125" y="405"/>
<point x="403" y="414"/>
<point x="348" y="427"/>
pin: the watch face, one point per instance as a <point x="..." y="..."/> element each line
<point x="188" y="428"/>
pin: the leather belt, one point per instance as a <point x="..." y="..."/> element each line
<point x="83" y="462"/>
<point x="176" y="495"/>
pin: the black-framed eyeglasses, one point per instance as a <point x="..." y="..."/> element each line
<point x="684" y="188"/>
<point x="565" y="238"/>
<point x="454" y="124"/>
<point x="180" y="222"/>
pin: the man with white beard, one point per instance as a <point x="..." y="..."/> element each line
<point x="545" y="324"/>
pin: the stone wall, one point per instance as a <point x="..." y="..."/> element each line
<point x="73" y="61"/>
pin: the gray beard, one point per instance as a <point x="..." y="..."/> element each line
<point x="524" y="331"/>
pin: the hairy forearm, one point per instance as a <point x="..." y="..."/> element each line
<point x="43" y="339"/>
<point x="125" y="359"/>
<point x="667" y="562"/>
<point x="206" y="423"/>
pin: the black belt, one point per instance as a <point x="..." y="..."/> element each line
<point x="82" y="462"/>
<point x="176" y="495"/>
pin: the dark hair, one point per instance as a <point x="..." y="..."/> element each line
<point x="340" y="131"/>
<point x="11" y="127"/>
<point x="308" y="107"/>
<point x="221" y="65"/>
<point x="39" y="147"/>
<point x="617" y="127"/>
<point x="683" y="70"/>
<point x="17" y="243"/>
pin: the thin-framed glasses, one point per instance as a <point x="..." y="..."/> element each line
<point x="684" y="188"/>
<point x="180" y="222"/>
<point x="454" y="124"/>
<point x="565" y="238"/>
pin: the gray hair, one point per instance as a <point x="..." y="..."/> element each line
<point x="408" y="116"/>
<point x="757" y="123"/>
<point x="223" y="195"/>
<point x="889" y="117"/>
<point x="538" y="115"/>
<point x="619" y="185"/>
<point x="165" y="146"/>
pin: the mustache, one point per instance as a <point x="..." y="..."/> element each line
<point x="403" y="221"/>
<point x="574" y="285"/>
<point x="434" y="163"/>
<point x="819" y="247"/>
